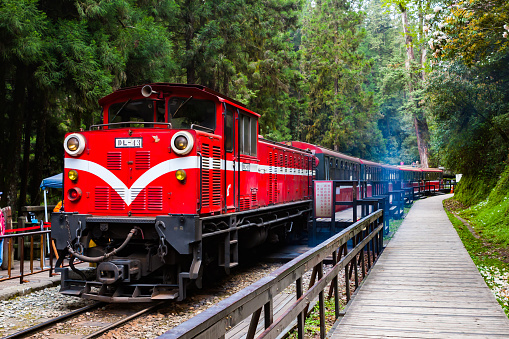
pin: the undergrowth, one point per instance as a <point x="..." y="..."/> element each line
<point x="490" y="217"/>
<point x="312" y="324"/>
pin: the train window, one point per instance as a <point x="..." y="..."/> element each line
<point x="248" y="134"/>
<point x="184" y="112"/>
<point x="145" y="110"/>
<point x="228" y="129"/>
<point x="327" y="176"/>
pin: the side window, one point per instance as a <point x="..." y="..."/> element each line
<point x="326" y="168"/>
<point x="228" y="129"/>
<point x="248" y="134"/>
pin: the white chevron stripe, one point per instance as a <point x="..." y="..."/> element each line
<point x="129" y="194"/>
<point x="191" y="162"/>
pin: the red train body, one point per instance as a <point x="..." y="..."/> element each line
<point x="176" y="177"/>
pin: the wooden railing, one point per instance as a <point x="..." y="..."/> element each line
<point x="21" y="233"/>
<point x="367" y="241"/>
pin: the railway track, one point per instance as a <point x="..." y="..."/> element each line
<point x="120" y="320"/>
<point x="34" y="330"/>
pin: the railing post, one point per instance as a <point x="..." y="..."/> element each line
<point x="32" y="254"/>
<point x="21" y="244"/>
<point x="301" y="316"/>
<point x="9" y="260"/>
<point x="321" y="304"/>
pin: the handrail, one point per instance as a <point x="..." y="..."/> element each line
<point x="367" y="238"/>
<point x="131" y="122"/>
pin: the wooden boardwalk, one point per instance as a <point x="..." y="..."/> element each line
<point x="424" y="285"/>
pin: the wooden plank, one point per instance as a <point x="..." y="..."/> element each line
<point x="281" y="304"/>
<point x="425" y="285"/>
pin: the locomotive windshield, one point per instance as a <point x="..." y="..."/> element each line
<point x="184" y="112"/>
<point x="144" y="110"/>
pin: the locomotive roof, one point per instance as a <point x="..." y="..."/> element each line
<point x="168" y="87"/>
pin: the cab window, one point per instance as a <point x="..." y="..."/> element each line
<point x="144" y="110"/>
<point x="228" y="129"/>
<point x="184" y="112"/>
<point x="248" y="134"/>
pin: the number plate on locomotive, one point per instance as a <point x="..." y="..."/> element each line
<point x="128" y="142"/>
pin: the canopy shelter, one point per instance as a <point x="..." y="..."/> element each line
<point x="51" y="182"/>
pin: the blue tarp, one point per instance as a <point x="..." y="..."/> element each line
<point x="53" y="182"/>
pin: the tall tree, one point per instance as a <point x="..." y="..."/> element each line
<point x="340" y="113"/>
<point x="388" y="80"/>
<point x="412" y="22"/>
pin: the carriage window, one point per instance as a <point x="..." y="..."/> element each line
<point x="247" y="134"/>
<point x="192" y="111"/>
<point x="145" y="110"/>
<point x="228" y="130"/>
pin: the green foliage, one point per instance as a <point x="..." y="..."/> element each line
<point x="473" y="189"/>
<point x="490" y="217"/>
<point x="473" y="31"/>
<point x="470" y="116"/>
<point x="340" y="114"/>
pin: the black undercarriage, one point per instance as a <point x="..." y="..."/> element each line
<point x="148" y="259"/>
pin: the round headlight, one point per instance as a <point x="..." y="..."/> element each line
<point x="72" y="175"/>
<point x="74" y="144"/>
<point x="181" y="175"/>
<point x="74" y="194"/>
<point x="182" y="142"/>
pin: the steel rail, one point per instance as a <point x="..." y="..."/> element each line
<point x="122" y="321"/>
<point x="41" y="326"/>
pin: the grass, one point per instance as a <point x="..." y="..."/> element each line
<point x="490" y="216"/>
<point x="312" y="324"/>
<point x="394" y="225"/>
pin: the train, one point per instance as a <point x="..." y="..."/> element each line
<point x="177" y="178"/>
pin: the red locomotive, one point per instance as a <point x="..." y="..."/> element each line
<point x="175" y="178"/>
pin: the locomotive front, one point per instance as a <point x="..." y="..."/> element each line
<point x="132" y="194"/>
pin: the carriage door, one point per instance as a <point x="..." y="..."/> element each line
<point x="230" y="158"/>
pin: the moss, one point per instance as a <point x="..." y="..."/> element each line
<point x="490" y="217"/>
<point x="472" y="190"/>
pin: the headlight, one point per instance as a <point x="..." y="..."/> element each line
<point x="74" y="144"/>
<point x="181" y="175"/>
<point x="73" y="175"/>
<point x="74" y="194"/>
<point x="182" y="142"/>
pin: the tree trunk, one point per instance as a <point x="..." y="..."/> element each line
<point x="421" y="126"/>
<point x="421" y="131"/>
<point x="40" y="159"/>
<point x="189" y="35"/>
<point x="16" y="133"/>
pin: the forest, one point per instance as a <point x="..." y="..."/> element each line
<point x="394" y="81"/>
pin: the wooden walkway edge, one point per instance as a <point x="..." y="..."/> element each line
<point x="425" y="285"/>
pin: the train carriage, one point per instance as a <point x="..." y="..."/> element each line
<point x="176" y="177"/>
